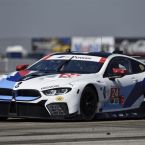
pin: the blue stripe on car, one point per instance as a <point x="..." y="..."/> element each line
<point x="14" y="78"/>
<point x="5" y="97"/>
<point x="134" y="95"/>
<point x="28" y="98"/>
<point x="7" y="84"/>
<point x="109" y="106"/>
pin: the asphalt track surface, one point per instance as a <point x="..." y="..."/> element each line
<point x="104" y="132"/>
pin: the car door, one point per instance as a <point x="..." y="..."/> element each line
<point x="119" y="87"/>
<point x="136" y="96"/>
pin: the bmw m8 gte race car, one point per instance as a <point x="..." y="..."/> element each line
<point x="69" y="84"/>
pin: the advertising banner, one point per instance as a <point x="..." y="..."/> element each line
<point x="50" y="45"/>
<point x="93" y="44"/>
<point x="131" y="45"/>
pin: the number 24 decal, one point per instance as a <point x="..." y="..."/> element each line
<point x="115" y="97"/>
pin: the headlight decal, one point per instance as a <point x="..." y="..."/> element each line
<point x="56" y="91"/>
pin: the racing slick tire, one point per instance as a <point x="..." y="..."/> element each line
<point x="88" y="104"/>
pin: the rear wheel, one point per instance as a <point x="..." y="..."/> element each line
<point x="88" y="104"/>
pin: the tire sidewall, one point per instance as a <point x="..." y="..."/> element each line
<point x="92" y="93"/>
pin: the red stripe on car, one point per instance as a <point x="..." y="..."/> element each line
<point x="23" y="72"/>
<point x="102" y="60"/>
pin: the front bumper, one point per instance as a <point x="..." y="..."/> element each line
<point x="31" y="103"/>
<point x="34" y="110"/>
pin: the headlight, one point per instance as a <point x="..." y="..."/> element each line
<point x="56" y="91"/>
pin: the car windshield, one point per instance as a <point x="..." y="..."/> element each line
<point x="66" y="66"/>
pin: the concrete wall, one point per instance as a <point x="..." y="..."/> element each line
<point x="9" y="65"/>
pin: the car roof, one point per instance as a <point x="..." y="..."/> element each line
<point x="100" y="54"/>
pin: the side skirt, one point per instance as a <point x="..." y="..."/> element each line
<point x="138" y="113"/>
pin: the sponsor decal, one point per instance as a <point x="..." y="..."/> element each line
<point x="74" y="57"/>
<point x="63" y="57"/>
<point x="47" y="77"/>
<point x="82" y="58"/>
<point x="141" y="67"/>
<point x="122" y="100"/>
<point x="78" y="57"/>
<point x="50" y="87"/>
<point x="69" y="75"/>
<point x="59" y="98"/>
<point x="115" y="97"/>
<point x="50" y="76"/>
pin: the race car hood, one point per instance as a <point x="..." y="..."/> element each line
<point x="36" y="80"/>
<point x="50" y="81"/>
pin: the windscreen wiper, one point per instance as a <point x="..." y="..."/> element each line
<point x="65" y="62"/>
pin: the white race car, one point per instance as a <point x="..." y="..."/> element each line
<point x="64" y="85"/>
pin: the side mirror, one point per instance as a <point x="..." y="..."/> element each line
<point x="119" y="71"/>
<point x="21" y="67"/>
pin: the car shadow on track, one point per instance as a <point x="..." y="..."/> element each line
<point x="66" y="121"/>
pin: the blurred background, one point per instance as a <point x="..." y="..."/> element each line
<point x="30" y="29"/>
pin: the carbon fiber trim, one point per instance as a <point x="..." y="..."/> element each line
<point x="6" y="92"/>
<point x="4" y="108"/>
<point x="32" y="110"/>
<point x="58" y="109"/>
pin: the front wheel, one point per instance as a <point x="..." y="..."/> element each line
<point x="88" y="104"/>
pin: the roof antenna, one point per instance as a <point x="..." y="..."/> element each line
<point x="101" y="43"/>
<point x="117" y="52"/>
